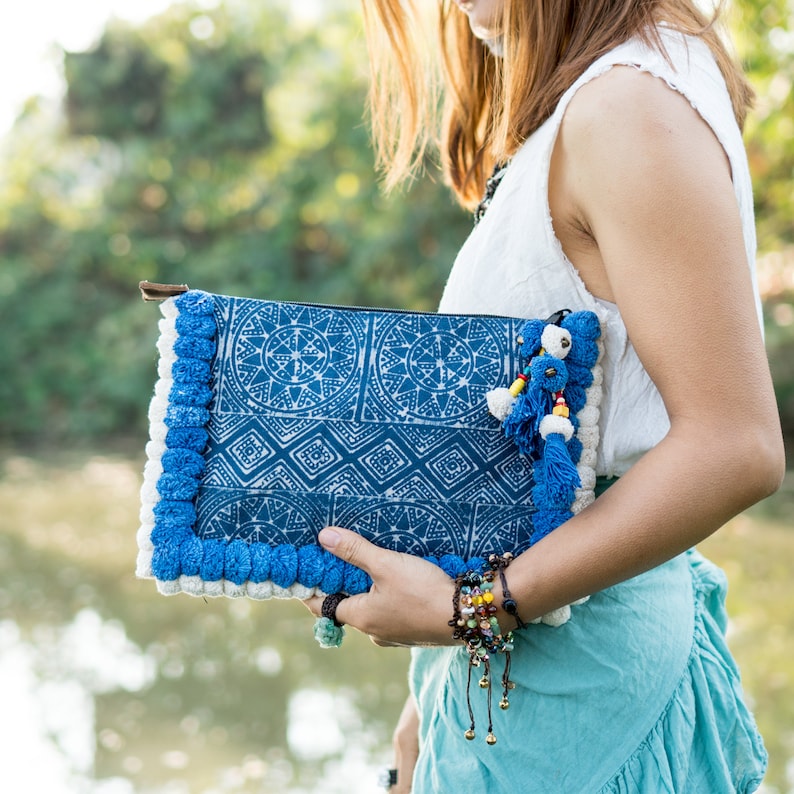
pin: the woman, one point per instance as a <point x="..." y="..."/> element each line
<point x="623" y="189"/>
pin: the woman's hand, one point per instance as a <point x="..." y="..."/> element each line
<point x="410" y="602"/>
<point x="406" y="747"/>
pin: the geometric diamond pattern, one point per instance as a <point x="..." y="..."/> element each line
<point x="368" y="419"/>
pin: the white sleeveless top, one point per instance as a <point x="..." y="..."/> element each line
<point x="513" y="264"/>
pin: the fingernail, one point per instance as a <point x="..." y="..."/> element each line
<point x="329" y="538"/>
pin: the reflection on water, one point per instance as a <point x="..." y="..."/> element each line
<point x="109" y="688"/>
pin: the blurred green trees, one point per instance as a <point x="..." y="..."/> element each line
<point x="227" y="149"/>
<point x="221" y="148"/>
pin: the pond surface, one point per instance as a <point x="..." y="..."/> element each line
<point x="108" y="687"/>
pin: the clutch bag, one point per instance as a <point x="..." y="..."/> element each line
<point x="272" y="420"/>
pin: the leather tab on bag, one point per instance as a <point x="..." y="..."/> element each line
<point x="150" y="291"/>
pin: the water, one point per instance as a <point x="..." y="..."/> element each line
<point x="108" y="687"/>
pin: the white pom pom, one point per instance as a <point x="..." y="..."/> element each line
<point x="556" y="424"/>
<point x="500" y="403"/>
<point x="556" y="341"/>
<point x="580" y="601"/>
<point x="583" y="498"/>
<point x="588" y="416"/>
<point x="588" y="458"/>
<point x="588" y="436"/>
<point x="557" y="616"/>
<point x="587" y="477"/>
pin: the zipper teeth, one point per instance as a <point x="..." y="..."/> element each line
<point x="345" y="307"/>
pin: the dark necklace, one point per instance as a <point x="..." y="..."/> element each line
<point x="490" y="188"/>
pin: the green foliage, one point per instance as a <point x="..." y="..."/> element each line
<point x="765" y="40"/>
<point x="224" y="149"/>
<point x="227" y="149"/>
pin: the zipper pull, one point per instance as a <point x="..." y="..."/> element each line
<point x="151" y="291"/>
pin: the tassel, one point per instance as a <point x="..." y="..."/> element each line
<point x="524" y="422"/>
<point x="560" y="476"/>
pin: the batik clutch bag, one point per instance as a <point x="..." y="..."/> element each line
<point x="273" y="420"/>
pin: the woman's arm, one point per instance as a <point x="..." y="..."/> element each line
<point x="406" y="747"/>
<point x="643" y="179"/>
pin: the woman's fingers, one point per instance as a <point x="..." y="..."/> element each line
<point x="351" y="547"/>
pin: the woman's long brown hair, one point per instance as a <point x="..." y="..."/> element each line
<point x="492" y="104"/>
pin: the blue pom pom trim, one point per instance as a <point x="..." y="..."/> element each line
<point x="172" y="553"/>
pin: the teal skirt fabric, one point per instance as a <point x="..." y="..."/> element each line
<point x="636" y="694"/>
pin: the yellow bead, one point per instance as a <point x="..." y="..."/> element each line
<point x="487" y="597"/>
<point x="517" y="387"/>
<point x="561" y="410"/>
<point x="476" y="600"/>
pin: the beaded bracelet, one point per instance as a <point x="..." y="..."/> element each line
<point x="508" y="603"/>
<point x="474" y="622"/>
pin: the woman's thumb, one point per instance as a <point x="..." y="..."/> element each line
<point x="349" y="546"/>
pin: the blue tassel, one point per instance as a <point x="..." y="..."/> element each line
<point x="561" y="476"/>
<point x="524" y="422"/>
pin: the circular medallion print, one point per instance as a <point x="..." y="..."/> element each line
<point x="296" y="355"/>
<point x="434" y="369"/>
<point x="293" y="358"/>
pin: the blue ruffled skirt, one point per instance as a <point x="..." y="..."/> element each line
<point x="636" y="694"/>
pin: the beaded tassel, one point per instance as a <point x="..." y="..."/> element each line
<point x="474" y="622"/>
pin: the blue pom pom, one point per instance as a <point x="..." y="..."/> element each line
<point x="196" y="325"/>
<point x="194" y="438"/>
<point x="310" y="566"/>
<point x="177" y="487"/>
<point x="576" y="397"/>
<point x="334" y="576"/>
<point x="190" y="370"/>
<point x="195" y="302"/>
<point x="191" y="553"/>
<point x="545" y="521"/>
<point x="211" y="569"/>
<point x="183" y="461"/>
<point x="190" y="394"/>
<point x="476" y="564"/>
<point x="167" y="530"/>
<point x="194" y="347"/>
<point x="356" y="581"/>
<point x="583" y="353"/>
<point x="186" y="416"/>
<point x="531" y="333"/>
<point x="260" y="562"/>
<point x="166" y="561"/>
<point x="452" y="565"/>
<point x="582" y="324"/>
<point x="178" y="512"/>
<point x="284" y="565"/>
<point x="237" y="562"/>
<point x="541" y="367"/>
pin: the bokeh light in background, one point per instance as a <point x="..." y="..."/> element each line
<point x="107" y="687"/>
